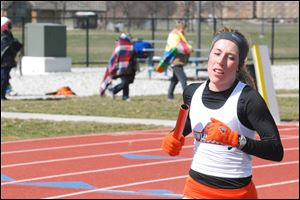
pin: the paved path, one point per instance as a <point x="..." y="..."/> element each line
<point x="99" y="119"/>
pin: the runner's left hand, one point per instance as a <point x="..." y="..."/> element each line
<point x="220" y="132"/>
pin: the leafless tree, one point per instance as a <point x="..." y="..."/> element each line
<point x="139" y="11"/>
<point x="59" y="6"/>
<point x="187" y="11"/>
<point x="142" y="9"/>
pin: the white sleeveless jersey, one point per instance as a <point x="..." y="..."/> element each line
<point x="213" y="159"/>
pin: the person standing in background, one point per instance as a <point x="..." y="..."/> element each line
<point x="176" y="38"/>
<point x="123" y="65"/>
<point x="9" y="49"/>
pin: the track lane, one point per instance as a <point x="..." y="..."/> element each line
<point x="288" y="141"/>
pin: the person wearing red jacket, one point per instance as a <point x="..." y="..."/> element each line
<point x="123" y="65"/>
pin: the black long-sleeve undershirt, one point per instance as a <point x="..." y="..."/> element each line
<point x="252" y="112"/>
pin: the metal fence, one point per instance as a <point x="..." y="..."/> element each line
<point x="90" y="41"/>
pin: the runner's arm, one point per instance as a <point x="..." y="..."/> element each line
<point x="255" y="115"/>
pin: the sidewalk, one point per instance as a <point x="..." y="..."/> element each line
<point x="98" y="119"/>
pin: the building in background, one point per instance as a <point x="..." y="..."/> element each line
<point x="40" y="10"/>
<point x="55" y="11"/>
<point x="239" y="9"/>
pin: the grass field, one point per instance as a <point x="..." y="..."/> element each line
<point x="151" y="107"/>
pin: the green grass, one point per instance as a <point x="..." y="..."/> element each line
<point x="153" y="107"/>
<point x="14" y="129"/>
<point x="282" y="91"/>
<point x="288" y="108"/>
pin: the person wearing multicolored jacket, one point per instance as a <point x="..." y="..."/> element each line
<point x="176" y="39"/>
<point x="123" y="65"/>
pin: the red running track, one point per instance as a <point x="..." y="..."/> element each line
<point x="125" y="165"/>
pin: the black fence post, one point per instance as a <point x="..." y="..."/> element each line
<point x="215" y="25"/>
<point x="23" y="43"/>
<point x="272" y="42"/>
<point x="198" y="54"/>
<point x="153" y="30"/>
<point x="87" y="41"/>
<point x="153" y="38"/>
<point x="23" y="32"/>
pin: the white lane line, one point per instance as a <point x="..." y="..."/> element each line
<point x="137" y="132"/>
<point x="277" y="184"/>
<point x="155" y="181"/>
<point x="81" y="157"/>
<point x="81" y="145"/>
<point x="289" y="137"/>
<point x="291" y="149"/>
<point x="100" y="143"/>
<point x="288" y="129"/>
<point x="117" y="186"/>
<point x="96" y="171"/>
<point x="130" y="166"/>
<point x="276" y="164"/>
<point x="99" y="155"/>
<point x="96" y="135"/>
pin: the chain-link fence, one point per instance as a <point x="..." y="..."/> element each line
<point x="90" y="41"/>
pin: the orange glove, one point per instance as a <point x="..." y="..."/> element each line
<point x="171" y="145"/>
<point x="220" y="132"/>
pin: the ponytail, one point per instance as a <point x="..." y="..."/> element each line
<point x="245" y="76"/>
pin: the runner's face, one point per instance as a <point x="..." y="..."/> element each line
<point x="222" y="65"/>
